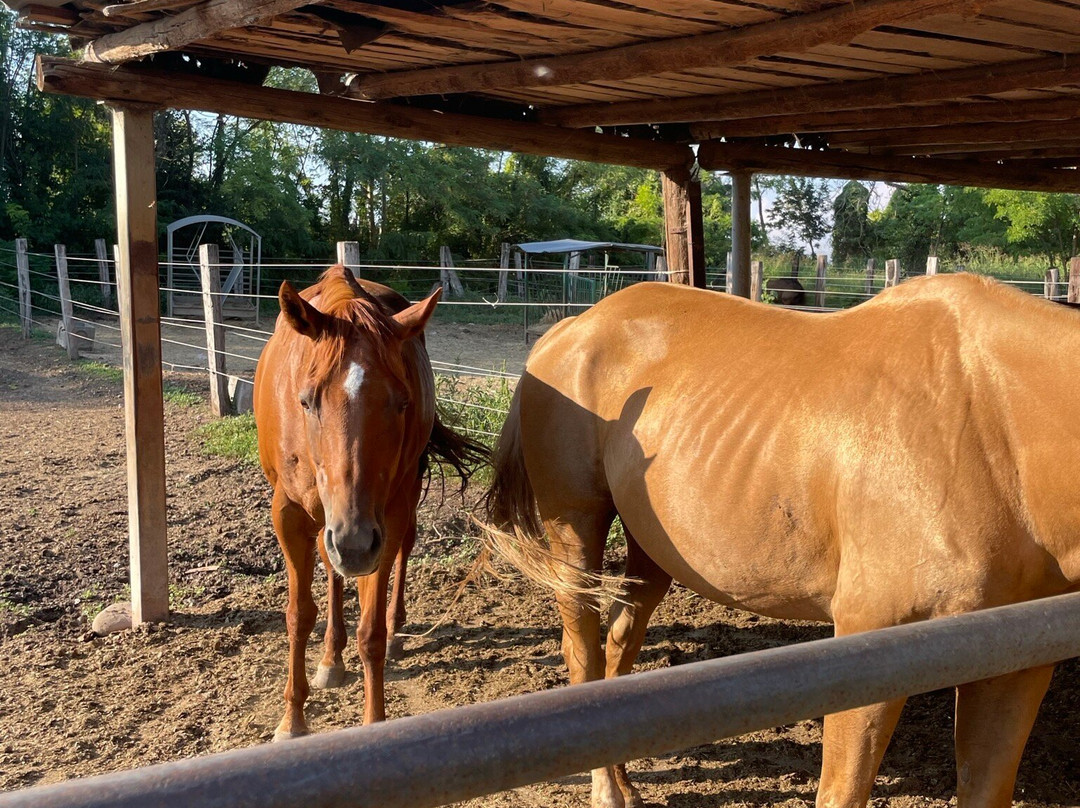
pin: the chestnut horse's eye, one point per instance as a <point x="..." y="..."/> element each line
<point x="305" y="401"/>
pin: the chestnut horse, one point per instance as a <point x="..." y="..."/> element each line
<point x="345" y="408"/>
<point x="912" y="464"/>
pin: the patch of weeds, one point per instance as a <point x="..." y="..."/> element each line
<point x="9" y="607"/>
<point x="234" y="437"/>
<point x="99" y="370"/>
<point x="90" y="602"/>
<point x="181" y="396"/>
<point x="185" y="594"/>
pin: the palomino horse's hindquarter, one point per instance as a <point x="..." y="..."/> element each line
<point x="870" y="467"/>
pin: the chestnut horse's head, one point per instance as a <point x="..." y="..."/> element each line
<point x="360" y="411"/>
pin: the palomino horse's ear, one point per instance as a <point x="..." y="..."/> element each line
<point x="412" y="320"/>
<point x="301" y="315"/>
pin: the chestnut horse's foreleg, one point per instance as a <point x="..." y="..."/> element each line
<point x="627" y="621"/>
<point x="993" y="720"/>
<point x="577" y="540"/>
<point x="296" y="535"/>
<point x="395" y="647"/>
<point x="371" y="639"/>
<point x="331" y="672"/>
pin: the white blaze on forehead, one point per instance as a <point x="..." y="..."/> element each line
<point x="353" y="379"/>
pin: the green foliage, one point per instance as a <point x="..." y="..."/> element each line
<point x="801" y="210"/>
<point x="1048" y="224"/>
<point x="233" y="437"/>
<point x="180" y="396"/>
<point x="99" y="370"/>
<point x="477" y="407"/>
<point x="852" y="236"/>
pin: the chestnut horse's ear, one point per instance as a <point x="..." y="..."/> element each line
<point x="301" y="315"/>
<point x="411" y="321"/>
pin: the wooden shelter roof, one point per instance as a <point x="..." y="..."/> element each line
<point x="954" y="91"/>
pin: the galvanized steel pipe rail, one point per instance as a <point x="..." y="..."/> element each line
<point x="453" y="755"/>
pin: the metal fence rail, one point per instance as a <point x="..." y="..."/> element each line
<point x="453" y="755"/>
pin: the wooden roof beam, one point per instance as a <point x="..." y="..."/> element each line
<point x="1001" y="111"/>
<point x="985" y="150"/>
<point x="129" y="84"/>
<point x="916" y="137"/>
<point x="792" y="34"/>
<point x="945" y="85"/>
<point x="715" y="156"/>
<point x="191" y="25"/>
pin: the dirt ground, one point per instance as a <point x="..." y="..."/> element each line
<point x="209" y="680"/>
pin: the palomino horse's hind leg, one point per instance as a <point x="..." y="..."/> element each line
<point x="395" y="619"/>
<point x="993" y="720"/>
<point x="331" y="671"/>
<point x="627" y="623"/>
<point x="577" y="540"/>
<point x="296" y="535"/>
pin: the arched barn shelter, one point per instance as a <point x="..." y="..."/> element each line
<point x="959" y="92"/>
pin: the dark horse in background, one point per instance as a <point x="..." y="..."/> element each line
<point x="916" y="461"/>
<point x="345" y="407"/>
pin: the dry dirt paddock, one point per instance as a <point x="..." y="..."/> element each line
<point x="210" y="679"/>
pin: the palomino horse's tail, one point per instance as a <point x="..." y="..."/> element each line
<point x="513" y="532"/>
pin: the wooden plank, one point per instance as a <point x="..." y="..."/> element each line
<point x="100" y="250"/>
<point x="695" y="234"/>
<point x="676" y="244"/>
<point x="22" y="273"/>
<point x="71" y="342"/>
<point x="210" y="278"/>
<point x="1074" y="280"/>
<point x="982" y="80"/>
<point x="142" y="6"/>
<point x="961" y="133"/>
<point x="199" y="22"/>
<point x="715" y="156"/>
<point x="125" y="84"/>
<point x="838" y="24"/>
<point x="140" y="331"/>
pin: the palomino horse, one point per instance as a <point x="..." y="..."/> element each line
<point x="910" y="464"/>
<point x="345" y="408"/>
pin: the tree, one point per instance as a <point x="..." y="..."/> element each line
<point x="852" y="236"/>
<point x="910" y="227"/>
<point x="801" y="210"/>
<point x="1048" y="224"/>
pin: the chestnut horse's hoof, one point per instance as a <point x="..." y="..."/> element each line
<point x="328" y="676"/>
<point x="395" y="649"/>
<point x="285" y="735"/>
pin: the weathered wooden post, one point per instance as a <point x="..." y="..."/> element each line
<point x="504" y="272"/>
<point x="757" y="277"/>
<point x="519" y="273"/>
<point x="819" y="286"/>
<point x="451" y="283"/>
<point x="22" y="264"/>
<point x="210" y="275"/>
<point x="1074" y="280"/>
<point x="348" y="253"/>
<point x="103" y="272"/>
<point x="140" y="331"/>
<point x="931" y="265"/>
<point x="727" y="274"/>
<point x="871" y="270"/>
<point x="71" y="340"/>
<point x="892" y="272"/>
<point x="1050" y="283"/>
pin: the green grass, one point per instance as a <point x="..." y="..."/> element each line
<point x="181" y="396"/>
<point x="8" y="607"/>
<point x="99" y="370"/>
<point x="233" y="437"/>
<point x="476" y="407"/>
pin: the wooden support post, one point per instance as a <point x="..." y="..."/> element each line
<point x="71" y="341"/>
<point x="1074" y="280"/>
<point x="451" y="283"/>
<point x="348" y="253"/>
<point x="871" y="270"/>
<point x="210" y="275"/>
<point x="1050" y="283"/>
<point x="676" y="235"/>
<point x="695" y="233"/>
<point x="103" y="272"/>
<point x="740" y="233"/>
<point x="892" y="272"/>
<point x="140" y="330"/>
<point x="757" y="279"/>
<point x="931" y="265"/>
<point x="819" y="287"/>
<point x="22" y="264"/>
<point x="504" y="272"/>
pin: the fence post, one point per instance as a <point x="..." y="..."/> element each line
<point x="727" y="274"/>
<point x="519" y="273"/>
<point x="660" y="267"/>
<point x="1050" y="283"/>
<point x="871" y="270"/>
<point x="822" y="265"/>
<point x="348" y="253"/>
<point x="71" y="341"/>
<point x="103" y="271"/>
<point x="1074" y="280"/>
<point x="22" y="262"/>
<point x="892" y="272"/>
<point x="931" y="265"/>
<point x="210" y="272"/>
<point x="504" y="271"/>
<point x="757" y="276"/>
<point x="450" y="281"/>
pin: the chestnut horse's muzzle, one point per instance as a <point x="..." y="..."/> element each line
<point x="354" y="550"/>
